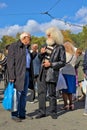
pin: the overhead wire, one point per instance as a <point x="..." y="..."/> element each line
<point x="19" y="14"/>
<point x="70" y="24"/>
<point x="52" y="17"/>
<point x="31" y="13"/>
<point x="46" y="13"/>
<point x="54" y="5"/>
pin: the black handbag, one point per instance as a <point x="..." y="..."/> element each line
<point x="50" y="75"/>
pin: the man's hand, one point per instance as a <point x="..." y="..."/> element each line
<point x="46" y="63"/>
<point x="12" y="80"/>
<point x="43" y="50"/>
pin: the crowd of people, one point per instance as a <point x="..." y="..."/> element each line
<point x="39" y="70"/>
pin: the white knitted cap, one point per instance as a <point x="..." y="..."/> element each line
<point x="24" y="34"/>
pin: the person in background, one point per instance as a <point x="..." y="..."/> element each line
<point x="69" y="74"/>
<point x="36" y="68"/>
<point x="79" y="72"/>
<point x="3" y="64"/>
<point x="53" y="58"/>
<point x="85" y="76"/>
<point x="20" y="72"/>
<point x="5" y="72"/>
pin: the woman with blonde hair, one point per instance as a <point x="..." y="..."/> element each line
<point x="80" y="73"/>
<point x="69" y="75"/>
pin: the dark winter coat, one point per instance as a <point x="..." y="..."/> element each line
<point x="85" y="63"/>
<point x="16" y="65"/>
<point x="58" y="60"/>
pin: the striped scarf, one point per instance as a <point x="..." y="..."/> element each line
<point x="49" y="50"/>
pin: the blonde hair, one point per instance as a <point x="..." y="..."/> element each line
<point x="79" y="51"/>
<point x="69" y="48"/>
<point x="55" y="34"/>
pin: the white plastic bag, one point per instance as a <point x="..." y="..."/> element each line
<point x="61" y="84"/>
<point x="15" y="102"/>
<point x="84" y="86"/>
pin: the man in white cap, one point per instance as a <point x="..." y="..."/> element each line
<point x="19" y="64"/>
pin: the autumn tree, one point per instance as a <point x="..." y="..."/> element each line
<point x="5" y="40"/>
<point x="66" y="34"/>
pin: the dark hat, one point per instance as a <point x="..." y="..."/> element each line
<point x="7" y="46"/>
<point x="43" y="45"/>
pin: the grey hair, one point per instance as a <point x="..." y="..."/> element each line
<point x="24" y="34"/>
<point x="56" y="34"/>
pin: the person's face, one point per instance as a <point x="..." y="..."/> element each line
<point x="50" y="40"/>
<point x="27" y="40"/>
<point x="34" y="48"/>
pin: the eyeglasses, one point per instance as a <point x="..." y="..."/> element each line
<point x="28" y="37"/>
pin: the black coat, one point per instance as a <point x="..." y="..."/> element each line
<point x="16" y="65"/>
<point x="58" y="60"/>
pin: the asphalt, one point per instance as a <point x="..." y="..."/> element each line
<point x="67" y="120"/>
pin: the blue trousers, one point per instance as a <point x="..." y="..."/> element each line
<point x="21" y="112"/>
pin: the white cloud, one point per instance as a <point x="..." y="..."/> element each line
<point x="36" y="28"/>
<point x="11" y="30"/>
<point x="81" y="14"/>
<point x="3" y="5"/>
<point x="32" y="26"/>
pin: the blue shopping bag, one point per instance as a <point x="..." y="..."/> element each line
<point x="8" y="96"/>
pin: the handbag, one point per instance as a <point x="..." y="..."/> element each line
<point x="84" y="86"/>
<point x="49" y="75"/>
<point x="61" y="83"/>
<point x="8" y="96"/>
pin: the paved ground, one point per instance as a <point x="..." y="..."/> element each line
<point x="70" y="120"/>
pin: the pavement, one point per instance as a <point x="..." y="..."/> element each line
<point x="67" y="120"/>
